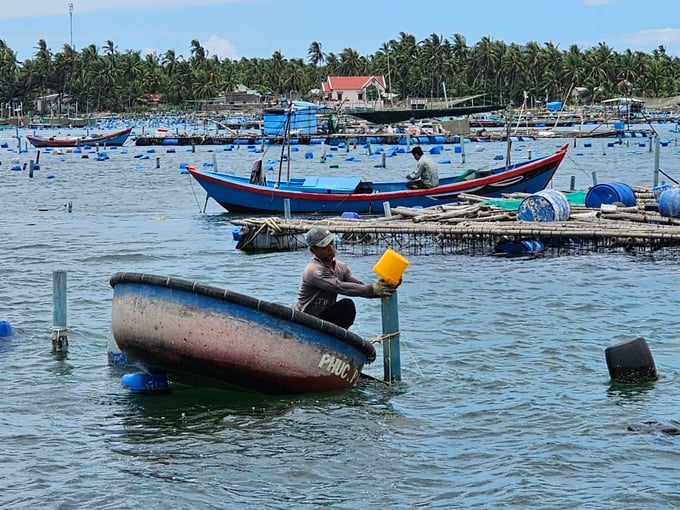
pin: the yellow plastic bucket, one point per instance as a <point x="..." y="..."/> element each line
<point x="391" y="266"/>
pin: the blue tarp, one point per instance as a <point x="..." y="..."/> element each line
<point x="302" y="121"/>
<point x="554" y="106"/>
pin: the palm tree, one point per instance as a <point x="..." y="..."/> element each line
<point x="315" y="54"/>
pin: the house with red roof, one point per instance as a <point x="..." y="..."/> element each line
<point x="354" y="90"/>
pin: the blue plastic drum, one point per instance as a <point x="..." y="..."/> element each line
<point x="608" y="193"/>
<point x="546" y="205"/>
<point x="669" y="203"/>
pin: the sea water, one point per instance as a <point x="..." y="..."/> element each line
<point x="505" y="401"/>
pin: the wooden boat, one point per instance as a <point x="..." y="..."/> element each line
<point x="394" y="116"/>
<point x="344" y="194"/>
<point x="116" y="138"/>
<point x="193" y="332"/>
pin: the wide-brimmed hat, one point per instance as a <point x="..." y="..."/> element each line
<point x="319" y="237"/>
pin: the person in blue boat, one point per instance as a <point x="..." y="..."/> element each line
<point x="324" y="277"/>
<point x="426" y="174"/>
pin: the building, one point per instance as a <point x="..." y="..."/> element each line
<point x="354" y="91"/>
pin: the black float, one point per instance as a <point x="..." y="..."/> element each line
<point x="631" y="362"/>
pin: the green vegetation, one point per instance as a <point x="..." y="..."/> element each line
<point x="107" y="80"/>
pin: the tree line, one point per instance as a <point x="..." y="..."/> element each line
<point x="105" y="79"/>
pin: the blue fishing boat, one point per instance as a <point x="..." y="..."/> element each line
<point x="337" y="194"/>
<point x="198" y="333"/>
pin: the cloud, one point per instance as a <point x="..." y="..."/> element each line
<point x="51" y="7"/>
<point x="654" y="36"/>
<point x="219" y="46"/>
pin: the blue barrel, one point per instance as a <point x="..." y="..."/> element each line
<point x="608" y="193"/>
<point x="6" y="329"/>
<point x="546" y="205"/>
<point x="658" y="190"/>
<point x="669" y="203"/>
<point x="519" y="247"/>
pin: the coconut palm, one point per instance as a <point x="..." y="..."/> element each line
<point x="315" y="54"/>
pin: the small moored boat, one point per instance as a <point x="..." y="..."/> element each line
<point x="115" y="139"/>
<point x="196" y="332"/>
<point x="339" y="194"/>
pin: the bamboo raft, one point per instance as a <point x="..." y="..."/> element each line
<point x="474" y="227"/>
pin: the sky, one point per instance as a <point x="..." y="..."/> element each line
<point x="258" y="28"/>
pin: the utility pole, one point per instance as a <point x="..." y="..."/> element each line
<point x="70" y="15"/>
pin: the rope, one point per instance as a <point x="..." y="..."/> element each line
<point x="58" y="331"/>
<point x="380" y="338"/>
<point x="387" y="336"/>
<point x="413" y="358"/>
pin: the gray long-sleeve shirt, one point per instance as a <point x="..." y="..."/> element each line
<point x="426" y="170"/>
<point x="321" y="285"/>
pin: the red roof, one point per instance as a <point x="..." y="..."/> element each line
<point x="352" y="82"/>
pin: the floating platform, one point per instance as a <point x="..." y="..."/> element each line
<point x="476" y="227"/>
<point x="330" y="140"/>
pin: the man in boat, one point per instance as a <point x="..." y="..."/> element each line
<point x="425" y="174"/>
<point x="323" y="278"/>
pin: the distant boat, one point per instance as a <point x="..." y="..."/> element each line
<point x="197" y="333"/>
<point x="318" y="194"/>
<point x="116" y="138"/>
<point x="394" y="116"/>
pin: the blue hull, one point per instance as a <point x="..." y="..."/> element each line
<point x="193" y="331"/>
<point x="337" y="195"/>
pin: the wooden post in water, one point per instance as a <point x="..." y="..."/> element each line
<point x="384" y="159"/>
<point x="59" y="329"/>
<point x="286" y="208"/>
<point x="657" y="150"/>
<point x="390" y="329"/>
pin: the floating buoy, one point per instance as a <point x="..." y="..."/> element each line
<point x="236" y="233"/>
<point x="351" y="215"/>
<point x="520" y="247"/>
<point x="631" y="362"/>
<point x="6" y="329"/>
<point x="145" y="383"/>
<point x="653" y="427"/>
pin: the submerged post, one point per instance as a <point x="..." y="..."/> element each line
<point x="390" y="268"/>
<point x="657" y="150"/>
<point x="59" y="329"/>
<point x="391" y="347"/>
